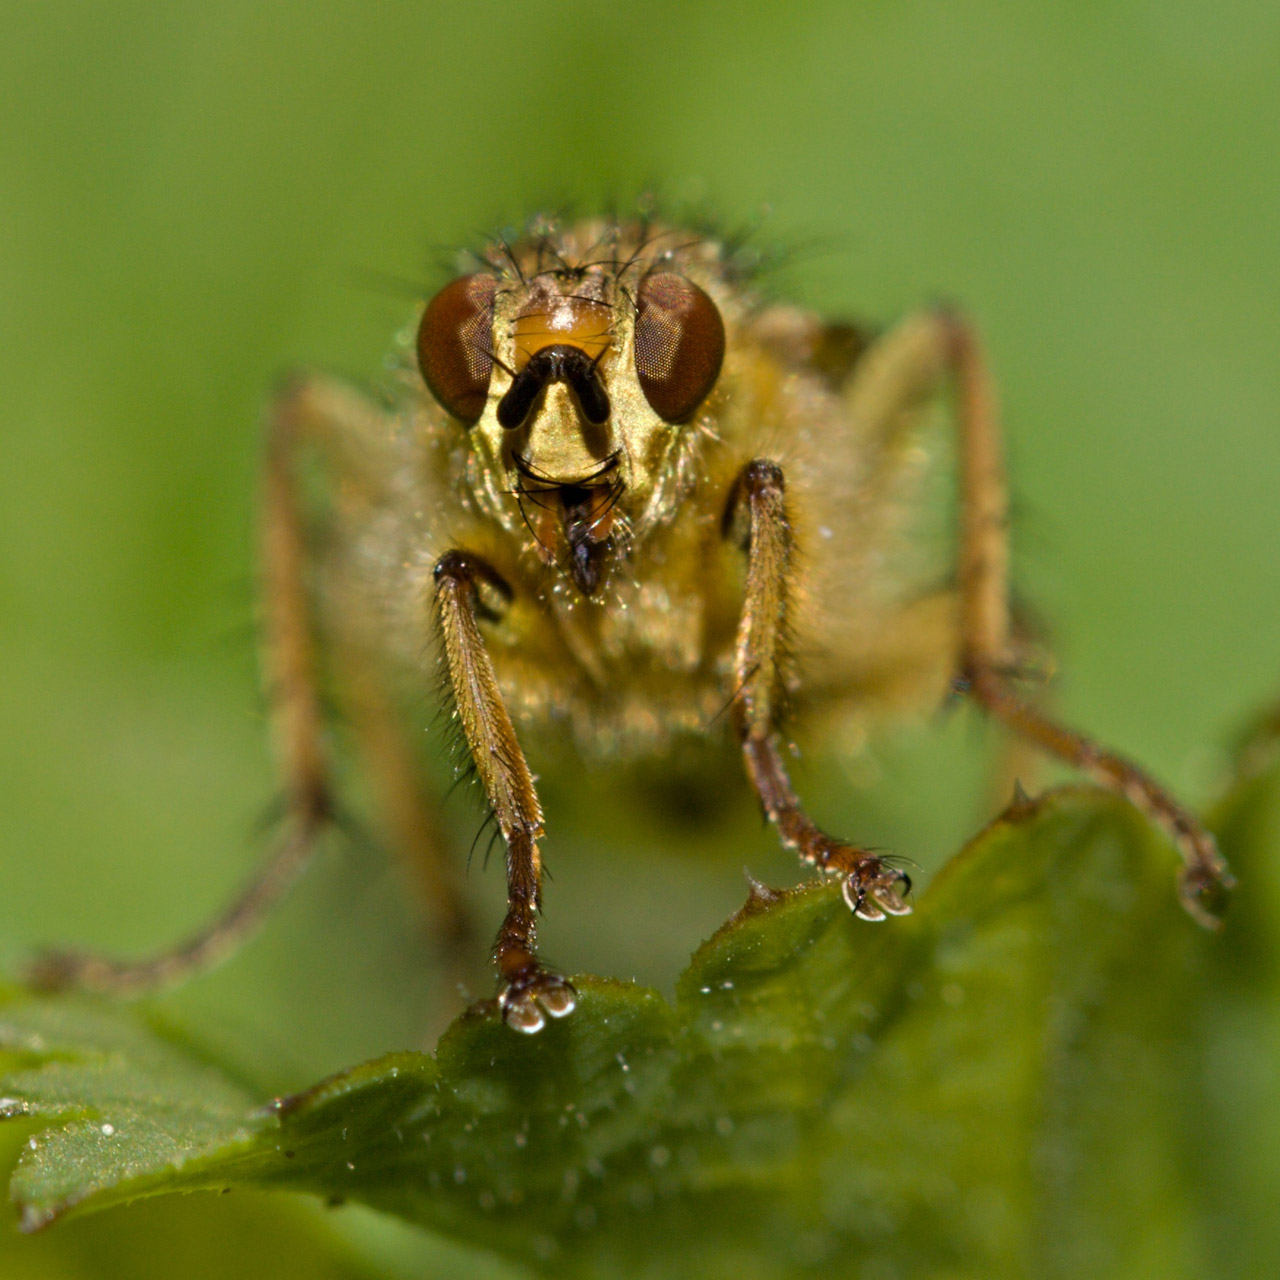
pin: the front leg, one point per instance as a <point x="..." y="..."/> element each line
<point x="468" y="589"/>
<point x="756" y="518"/>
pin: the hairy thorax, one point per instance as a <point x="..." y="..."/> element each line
<point x="625" y="586"/>
<point x="625" y="592"/>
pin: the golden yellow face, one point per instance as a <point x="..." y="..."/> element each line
<point x="574" y="364"/>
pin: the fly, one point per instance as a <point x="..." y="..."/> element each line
<point x="622" y="492"/>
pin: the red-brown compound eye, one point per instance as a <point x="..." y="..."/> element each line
<point x="455" y="345"/>
<point x="679" y="344"/>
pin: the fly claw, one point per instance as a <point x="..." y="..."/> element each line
<point x="527" y="1002"/>
<point x="875" y="890"/>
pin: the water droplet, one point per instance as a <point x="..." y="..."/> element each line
<point x="459" y="1175"/>
<point x="108" y="1130"/>
<point x="581" y="1119"/>
<point x="724" y="1126"/>
<point x="350" y="1166"/>
<point x="727" y="985"/>
<point x="33" y="1219"/>
<point x="706" y="991"/>
<point x="622" y="1062"/>
<point x="659" y="1157"/>
<point x="595" y="1167"/>
<point x="487" y="1201"/>
<point x="522" y="1140"/>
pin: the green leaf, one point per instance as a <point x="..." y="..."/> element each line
<point x="1008" y="1081"/>
<point x="144" y="1104"/>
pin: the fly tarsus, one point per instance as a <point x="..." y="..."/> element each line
<point x="532" y="995"/>
<point x="1205" y="892"/>
<point x="875" y="890"/>
<point x="871" y="885"/>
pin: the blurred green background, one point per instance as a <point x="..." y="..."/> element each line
<point x="194" y="198"/>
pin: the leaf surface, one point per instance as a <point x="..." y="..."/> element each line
<point x="1005" y="1082"/>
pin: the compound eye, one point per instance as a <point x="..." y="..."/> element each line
<point x="455" y="345"/>
<point x="679" y="344"/>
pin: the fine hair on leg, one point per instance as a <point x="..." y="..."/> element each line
<point x="756" y="519"/>
<point x="926" y="350"/>
<point x="291" y="663"/>
<point x="466" y="590"/>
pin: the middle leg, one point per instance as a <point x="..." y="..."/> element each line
<point x="756" y="518"/>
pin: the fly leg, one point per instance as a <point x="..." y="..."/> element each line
<point x="291" y="669"/>
<point x="468" y="590"/>
<point x="1205" y="880"/>
<point x="912" y="361"/>
<point x="404" y="799"/>
<point x="756" y="518"/>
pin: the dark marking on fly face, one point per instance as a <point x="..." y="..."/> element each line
<point x="558" y="363"/>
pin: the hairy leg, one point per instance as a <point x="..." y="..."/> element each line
<point x="468" y="589"/>
<point x="305" y="410"/>
<point x="404" y="799"/>
<point x="756" y="518"/>
<point x="920" y="355"/>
